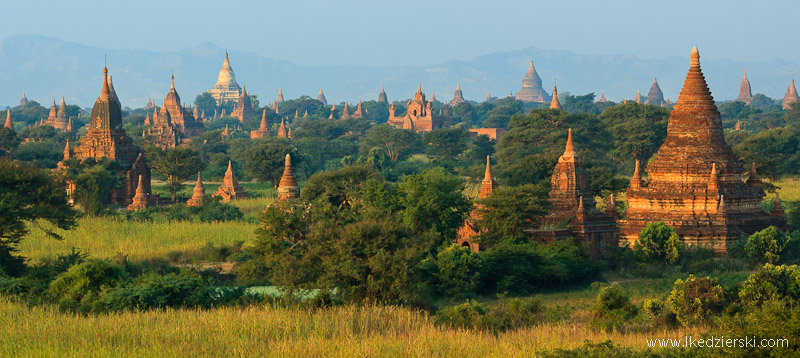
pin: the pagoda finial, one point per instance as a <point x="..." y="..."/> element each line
<point x="721" y="208"/>
<point x="230" y="168"/>
<point x="105" y="93"/>
<point x="636" y="179"/>
<point x="67" y="151"/>
<point x="569" y="150"/>
<point x="263" y="120"/>
<point x="753" y="179"/>
<point x="172" y="78"/>
<point x="419" y="88"/>
<point x="554" y="103"/>
<point x="695" y="58"/>
<point x="488" y="174"/>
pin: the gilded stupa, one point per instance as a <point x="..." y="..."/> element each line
<point x="226" y="88"/>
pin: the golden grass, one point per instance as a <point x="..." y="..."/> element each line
<point x="105" y="237"/>
<point x="278" y="332"/>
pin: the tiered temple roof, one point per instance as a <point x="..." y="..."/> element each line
<point x="262" y="131"/>
<point x="321" y="97"/>
<point x="244" y="108"/>
<point x="230" y="188"/>
<point x="382" y="96"/>
<point x="287" y="188"/>
<point x="532" y="90"/>
<point x="691" y="174"/>
<point x="106" y="138"/>
<point x="420" y="115"/>
<point x="199" y="194"/>
<point x="573" y="205"/>
<point x="602" y="98"/>
<point x="654" y="95"/>
<point x="467" y="234"/>
<point x="745" y="94"/>
<point x="790" y="96"/>
<point x="458" y="97"/>
<point x="226" y="88"/>
<point x="554" y="103"/>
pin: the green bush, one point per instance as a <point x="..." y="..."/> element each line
<point x="81" y="285"/>
<point x="459" y="270"/>
<point x="695" y="299"/>
<point x="771" y="283"/>
<point x="613" y="308"/>
<point x="504" y="316"/>
<point x="217" y="211"/>
<point x="766" y="245"/>
<point x="152" y="290"/>
<point x="658" y="242"/>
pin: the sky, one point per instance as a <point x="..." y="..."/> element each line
<point x="418" y="32"/>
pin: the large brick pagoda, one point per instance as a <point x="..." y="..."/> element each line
<point x="695" y="183"/>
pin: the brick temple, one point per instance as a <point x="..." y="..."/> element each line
<point x="572" y="207"/>
<point x="420" y="115"/>
<point x="467" y="234"/>
<point x="532" y="90"/>
<point x="695" y="183"/>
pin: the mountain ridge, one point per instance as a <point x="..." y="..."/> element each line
<point x="47" y="68"/>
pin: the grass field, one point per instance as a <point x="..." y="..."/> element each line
<point x="263" y="331"/>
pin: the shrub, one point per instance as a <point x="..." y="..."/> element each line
<point x="658" y="242"/>
<point x="506" y="315"/>
<point x="185" y="289"/>
<point x="613" y="308"/>
<point x="80" y="286"/>
<point x="459" y="270"/>
<point x="766" y="245"/>
<point x="695" y="299"/>
<point x="217" y="211"/>
<point x="771" y="283"/>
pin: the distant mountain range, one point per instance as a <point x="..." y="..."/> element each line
<point x="47" y="68"/>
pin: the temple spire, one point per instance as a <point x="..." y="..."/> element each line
<point x="199" y="194"/>
<point x="745" y="94"/>
<point x="777" y="209"/>
<point x="636" y="180"/>
<point x="67" y="151"/>
<point x="105" y="93"/>
<point x="487" y="176"/>
<point x="753" y="179"/>
<point x="569" y="150"/>
<point x="263" y="125"/>
<point x="554" y="103"/>
<point x="288" y="189"/>
<point x="8" y="124"/>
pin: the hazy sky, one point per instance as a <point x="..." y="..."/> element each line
<point x="419" y="32"/>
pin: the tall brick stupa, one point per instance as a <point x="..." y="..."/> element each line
<point x="695" y="183"/>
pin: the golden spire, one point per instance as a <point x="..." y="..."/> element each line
<point x="67" y="151"/>
<point x="695" y="58"/>
<point x="636" y="180"/>
<point x="569" y="150"/>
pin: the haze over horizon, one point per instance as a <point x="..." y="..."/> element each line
<point x="416" y="32"/>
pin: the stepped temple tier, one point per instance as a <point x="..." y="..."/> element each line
<point x="106" y="138"/>
<point x="288" y="188"/>
<point x="695" y="183"/>
<point x="230" y="188"/>
<point x="420" y="116"/>
<point x="745" y="95"/>
<point x="226" y="88"/>
<point x="573" y="212"/>
<point x="532" y="90"/>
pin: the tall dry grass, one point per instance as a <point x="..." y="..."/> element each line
<point x="371" y="331"/>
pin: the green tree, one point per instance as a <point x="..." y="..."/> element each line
<point x="776" y="151"/>
<point x="658" y="242"/>
<point x="8" y="141"/>
<point x="265" y="160"/>
<point x="510" y="211"/>
<point x="637" y="131"/>
<point x="772" y="283"/>
<point x="695" y="299"/>
<point x="339" y="187"/>
<point x="28" y="195"/>
<point x="459" y="270"/>
<point x="176" y="165"/>
<point x="766" y="245"/>
<point x="93" y="182"/>
<point x="433" y="200"/>
<point x="205" y="102"/>
<point x="399" y="144"/>
<point x="447" y="143"/>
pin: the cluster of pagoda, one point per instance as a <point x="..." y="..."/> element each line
<point x="694" y="184"/>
